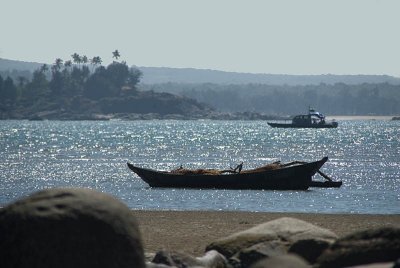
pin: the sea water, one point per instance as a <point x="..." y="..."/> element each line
<point x="365" y="155"/>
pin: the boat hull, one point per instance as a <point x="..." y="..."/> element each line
<point x="298" y="177"/>
<point x="291" y="125"/>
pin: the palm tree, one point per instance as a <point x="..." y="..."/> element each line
<point x="76" y="58"/>
<point x="96" y="61"/>
<point x="58" y="64"/>
<point x="84" y="59"/>
<point x="68" y="64"/>
<point x="44" y="68"/>
<point x="54" y="68"/>
<point x="67" y="67"/>
<point x="116" y="54"/>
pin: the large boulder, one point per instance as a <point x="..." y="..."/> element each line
<point x="284" y="231"/>
<point x="282" y="261"/>
<point x="69" y="228"/>
<point x="212" y="259"/>
<point x="259" y="251"/>
<point x="363" y="247"/>
<point x="309" y="249"/>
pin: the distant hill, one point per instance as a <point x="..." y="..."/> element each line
<point x="10" y="65"/>
<point x="158" y="75"/>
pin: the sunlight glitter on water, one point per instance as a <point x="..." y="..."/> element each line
<point x="363" y="154"/>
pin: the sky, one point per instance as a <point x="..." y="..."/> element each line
<point x="252" y="36"/>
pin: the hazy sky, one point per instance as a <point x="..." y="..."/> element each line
<point x="256" y="36"/>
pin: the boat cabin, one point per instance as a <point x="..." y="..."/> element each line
<point x="308" y="119"/>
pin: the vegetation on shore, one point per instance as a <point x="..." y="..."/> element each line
<point x="83" y="88"/>
<point x="330" y="99"/>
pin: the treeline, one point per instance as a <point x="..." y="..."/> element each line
<point x="71" y="85"/>
<point x="82" y="88"/>
<point x="87" y="78"/>
<point x="336" y="99"/>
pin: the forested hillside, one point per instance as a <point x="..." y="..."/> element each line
<point x="84" y="86"/>
<point x="87" y="90"/>
<point x="336" y="99"/>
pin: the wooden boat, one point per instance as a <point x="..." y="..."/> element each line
<point x="313" y="119"/>
<point x="292" y="176"/>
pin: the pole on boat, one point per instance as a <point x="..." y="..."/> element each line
<point x="324" y="175"/>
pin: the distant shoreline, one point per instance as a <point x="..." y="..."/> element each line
<point x="360" y="117"/>
<point x="244" y="116"/>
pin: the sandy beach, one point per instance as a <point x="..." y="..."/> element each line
<point x="192" y="231"/>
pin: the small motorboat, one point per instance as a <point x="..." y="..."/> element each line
<point x="313" y="119"/>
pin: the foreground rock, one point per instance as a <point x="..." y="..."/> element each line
<point x="212" y="259"/>
<point x="283" y="261"/>
<point x="69" y="228"/>
<point x="364" y="247"/>
<point x="274" y="238"/>
<point x="83" y="228"/>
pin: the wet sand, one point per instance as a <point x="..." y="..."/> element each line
<point x="192" y="231"/>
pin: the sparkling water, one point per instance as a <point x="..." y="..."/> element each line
<point x="365" y="155"/>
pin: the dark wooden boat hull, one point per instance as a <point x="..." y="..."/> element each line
<point x="291" y="125"/>
<point x="297" y="177"/>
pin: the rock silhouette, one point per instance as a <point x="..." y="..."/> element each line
<point x="69" y="228"/>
